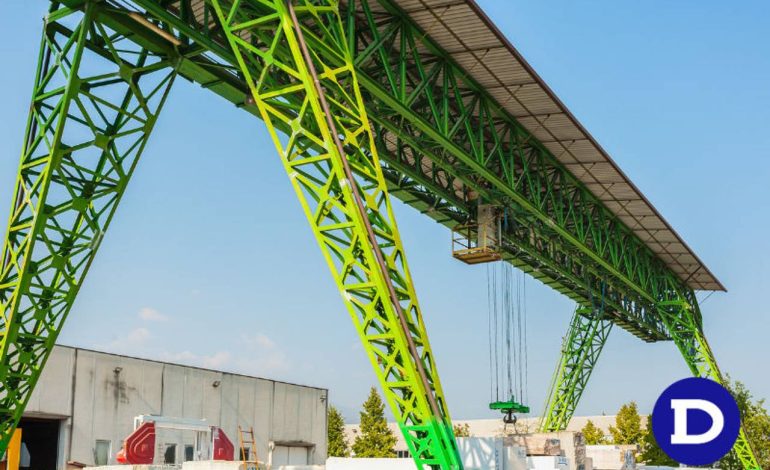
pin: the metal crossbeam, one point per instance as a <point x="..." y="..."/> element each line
<point x="421" y="97"/>
<point x="581" y="349"/>
<point x="331" y="159"/>
<point x="84" y="136"/>
<point x="560" y="230"/>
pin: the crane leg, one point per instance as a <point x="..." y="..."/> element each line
<point x="86" y="129"/>
<point x="297" y="62"/>
<point x="683" y="321"/>
<point x="581" y="349"/>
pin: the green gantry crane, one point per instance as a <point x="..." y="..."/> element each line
<point x="423" y="100"/>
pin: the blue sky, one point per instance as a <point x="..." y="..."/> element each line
<point x="201" y="265"/>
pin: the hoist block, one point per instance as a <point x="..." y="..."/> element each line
<point x="510" y="406"/>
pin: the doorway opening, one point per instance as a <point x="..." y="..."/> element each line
<point x="41" y="437"/>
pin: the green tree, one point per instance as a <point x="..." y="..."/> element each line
<point x="628" y="426"/>
<point x="651" y="453"/>
<point x="462" y="430"/>
<point x="375" y="438"/>
<point x="592" y="434"/>
<point x="338" y="443"/>
<point x="756" y="423"/>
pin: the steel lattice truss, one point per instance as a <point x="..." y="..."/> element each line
<point x="403" y="120"/>
<point x="580" y="351"/>
<point x="87" y="127"/>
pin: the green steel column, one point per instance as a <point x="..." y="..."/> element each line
<point x="86" y="130"/>
<point x="683" y="321"/>
<point x="299" y="68"/>
<point x="582" y="346"/>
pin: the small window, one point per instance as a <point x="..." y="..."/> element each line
<point x="102" y="452"/>
<point x="245" y="453"/>
<point x="189" y="453"/>
<point x="169" y="456"/>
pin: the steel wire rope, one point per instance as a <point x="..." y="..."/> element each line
<point x="509" y="339"/>
<point x="489" y="336"/>
<point x="526" y="338"/>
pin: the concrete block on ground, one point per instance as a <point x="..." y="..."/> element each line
<point x="340" y="463"/>
<point x="491" y="453"/>
<point x="515" y="458"/>
<point x="611" y="457"/>
<point x="629" y="460"/>
<point x="573" y="446"/>
<point x="220" y="465"/>
<point x="302" y="467"/>
<point x="481" y="453"/>
<point x="547" y="444"/>
<point x="567" y="444"/>
<point x="547" y="463"/>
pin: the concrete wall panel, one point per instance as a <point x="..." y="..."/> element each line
<point x="263" y="416"/>
<point x="53" y="395"/>
<point x="109" y="392"/>
<point x="299" y="414"/>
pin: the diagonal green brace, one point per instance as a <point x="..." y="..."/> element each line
<point x="587" y="335"/>
<point x="683" y="321"/>
<point x="299" y="69"/>
<point x="84" y="136"/>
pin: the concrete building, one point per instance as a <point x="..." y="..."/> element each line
<point x="84" y="405"/>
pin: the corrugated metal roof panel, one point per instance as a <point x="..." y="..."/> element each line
<point x="461" y="28"/>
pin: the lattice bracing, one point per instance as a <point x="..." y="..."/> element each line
<point x="88" y="124"/>
<point x="581" y="349"/>
<point x="330" y="156"/>
<point x="362" y="103"/>
<point x="684" y="322"/>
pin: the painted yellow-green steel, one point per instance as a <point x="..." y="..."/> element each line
<point x="467" y="142"/>
<point x="683" y="321"/>
<point x="86" y="130"/>
<point x="581" y="348"/>
<point x="288" y="100"/>
<point x="585" y="340"/>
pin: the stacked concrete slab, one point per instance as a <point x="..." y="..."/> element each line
<point x="516" y="458"/>
<point x="491" y="453"/>
<point x="537" y="444"/>
<point x="547" y="463"/>
<point x="485" y="453"/>
<point x="339" y="463"/>
<point x="611" y="457"/>
<point x="570" y="445"/>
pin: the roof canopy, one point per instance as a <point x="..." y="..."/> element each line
<point x="463" y="30"/>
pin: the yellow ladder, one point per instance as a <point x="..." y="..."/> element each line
<point x="246" y="437"/>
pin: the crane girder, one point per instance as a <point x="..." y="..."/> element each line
<point x="362" y="105"/>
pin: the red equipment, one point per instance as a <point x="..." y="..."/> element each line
<point x="139" y="448"/>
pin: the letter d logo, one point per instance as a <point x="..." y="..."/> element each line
<point x="696" y="421"/>
<point x="681" y="407"/>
